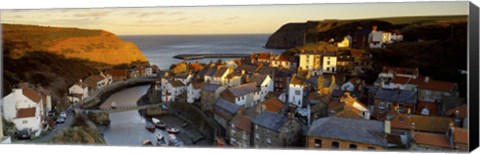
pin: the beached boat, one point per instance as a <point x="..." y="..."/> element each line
<point x="147" y="142"/>
<point x="161" y="141"/>
<point x="175" y="141"/>
<point x="150" y="127"/>
<point x="113" y="105"/>
<point x="159" y="123"/>
<point x="173" y="130"/>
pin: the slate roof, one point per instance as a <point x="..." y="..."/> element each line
<point x="431" y="84"/>
<point x="211" y="72"/>
<point x="270" y="120"/>
<point x="407" y="96"/>
<point x="243" y="89"/>
<point x="258" y="78"/>
<point x="211" y="87"/>
<point x="355" y="130"/>
<point x="227" y="106"/>
<point x="220" y="72"/>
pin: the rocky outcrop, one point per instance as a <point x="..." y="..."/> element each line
<point x="93" y="45"/>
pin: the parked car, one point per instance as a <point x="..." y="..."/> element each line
<point x="60" y="120"/>
<point x="164" y="107"/>
<point x="63" y="114"/>
<point x="24" y="134"/>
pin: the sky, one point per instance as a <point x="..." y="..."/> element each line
<point x="256" y="19"/>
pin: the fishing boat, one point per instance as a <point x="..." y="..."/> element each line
<point x="173" y="130"/>
<point x="159" y="123"/>
<point x="174" y="141"/>
<point x="150" y="127"/>
<point x="147" y="142"/>
<point x="113" y="105"/>
<point x="161" y="141"/>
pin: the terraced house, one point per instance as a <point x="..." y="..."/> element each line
<point x="239" y="131"/>
<point x="276" y="130"/>
<point x="346" y="134"/>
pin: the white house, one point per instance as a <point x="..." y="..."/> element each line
<point x="264" y="84"/>
<point x="387" y="75"/>
<point x="295" y="90"/>
<point x="329" y="64"/>
<point x="346" y="42"/>
<point x="220" y="76"/>
<point x="25" y="107"/>
<point x="193" y="91"/>
<point x="348" y="86"/>
<point x="78" y="91"/>
<point x="281" y="61"/>
<point x="242" y="95"/>
<point x="352" y="104"/>
<point x="233" y="79"/>
<point x="310" y="60"/>
<point x="95" y="82"/>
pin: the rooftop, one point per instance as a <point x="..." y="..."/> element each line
<point x="422" y="123"/>
<point x="211" y="87"/>
<point x="432" y="139"/>
<point x="227" y="106"/>
<point x="355" y="130"/>
<point x="270" y="120"/>
<point x="273" y="104"/>
<point x="407" y="96"/>
<point x="243" y="89"/>
<point x="242" y="122"/>
<point x="26" y="112"/>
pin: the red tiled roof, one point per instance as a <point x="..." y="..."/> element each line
<point x="93" y="80"/>
<point x="31" y="94"/>
<point x="422" y="123"/>
<point x="400" y="70"/>
<point x="432" y="139"/>
<point x="26" y="112"/>
<point x="273" y="104"/>
<point x="118" y="73"/>
<point x="462" y="110"/>
<point x="297" y="80"/>
<point x="357" y="52"/>
<point x="460" y="135"/>
<point x="196" y="67"/>
<point x="264" y="56"/>
<point x="434" y="85"/>
<point x="242" y="122"/>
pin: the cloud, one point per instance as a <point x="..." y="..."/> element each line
<point x="175" y="13"/>
<point x="17" y="16"/>
<point x="92" y="14"/>
<point x="232" y="18"/>
<point x="183" y="18"/>
<point x="147" y="14"/>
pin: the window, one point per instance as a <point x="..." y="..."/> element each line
<point x="353" y="146"/>
<point x="257" y="136"/>
<point x="335" y="145"/>
<point x="371" y="148"/>
<point x="256" y="127"/>
<point x="268" y="131"/>
<point x="328" y="62"/>
<point x="269" y="141"/>
<point x="318" y="143"/>
<point x="297" y="92"/>
<point x="24" y="121"/>
<point x="232" y="132"/>
<point x="328" y="68"/>
<point x="244" y="136"/>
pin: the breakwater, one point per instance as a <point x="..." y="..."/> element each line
<point x="202" y="56"/>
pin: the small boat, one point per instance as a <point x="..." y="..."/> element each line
<point x="174" y="141"/>
<point x="159" y="123"/>
<point x="173" y="130"/>
<point x="113" y="105"/>
<point x="147" y="142"/>
<point x="150" y="127"/>
<point x="161" y="141"/>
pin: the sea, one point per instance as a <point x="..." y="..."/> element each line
<point x="160" y="49"/>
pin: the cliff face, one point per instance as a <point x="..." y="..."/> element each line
<point x="293" y="35"/>
<point x="93" y="45"/>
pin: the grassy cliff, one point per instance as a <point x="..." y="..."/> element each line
<point x="93" y="45"/>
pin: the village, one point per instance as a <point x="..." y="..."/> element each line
<point x="317" y="99"/>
